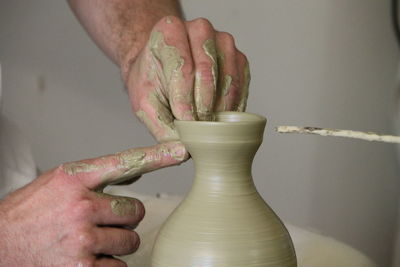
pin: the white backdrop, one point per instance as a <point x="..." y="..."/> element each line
<point x="329" y="63"/>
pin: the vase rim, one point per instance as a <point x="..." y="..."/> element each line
<point x="228" y="118"/>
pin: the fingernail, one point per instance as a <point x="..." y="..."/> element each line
<point x="140" y="210"/>
<point x="179" y="152"/>
<point x="137" y="243"/>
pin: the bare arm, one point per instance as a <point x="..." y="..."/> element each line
<point x="121" y="27"/>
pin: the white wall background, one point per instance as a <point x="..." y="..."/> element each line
<point x="328" y="63"/>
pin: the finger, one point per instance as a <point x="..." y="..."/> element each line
<point x="169" y="45"/>
<point x="203" y="47"/>
<point x="109" y="262"/>
<point x="117" y="210"/>
<point x="155" y="113"/>
<point x="125" y="165"/>
<point x="115" y="241"/>
<point x="244" y="74"/>
<point x="129" y="181"/>
<point x="228" y="78"/>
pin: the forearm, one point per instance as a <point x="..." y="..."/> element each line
<point x="5" y="249"/>
<point x="121" y="27"/>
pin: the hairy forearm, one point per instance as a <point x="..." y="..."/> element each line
<point x="121" y="27"/>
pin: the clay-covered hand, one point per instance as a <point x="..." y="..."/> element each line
<point x="61" y="219"/>
<point x="186" y="71"/>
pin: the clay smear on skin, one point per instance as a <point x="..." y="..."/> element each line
<point x="75" y="168"/>
<point x="168" y="56"/>
<point x="120" y="206"/>
<point x="169" y="65"/>
<point x="168" y="20"/>
<point x="166" y="69"/>
<point x="224" y="84"/>
<point x="123" y="207"/>
<point x="130" y="163"/>
<point x="162" y="123"/>
<point x="227" y="80"/>
<point x="209" y="48"/>
<point x="245" y="89"/>
<point x="204" y="102"/>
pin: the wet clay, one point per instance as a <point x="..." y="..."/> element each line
<point x="168" y="55"/>
<point x="223" y="221"/>
<point x="209" y="48"/>
<point x="245" y="90"/>
<point x="204" y="99"/>
<point x="75" y="168"/>
<point x="135" y="162"/>
<point x="166" y="73"/>
<point x="227" y="81"/>
<point x="120" y="206"/>
<point x="168" y="20"/>
<point x="224" y="83"/>
<point x="128" y="164"/>
<point x="123" y="207"/>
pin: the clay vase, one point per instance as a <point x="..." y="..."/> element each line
<point x="223" y="221"/>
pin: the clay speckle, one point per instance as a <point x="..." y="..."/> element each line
<point x="74" y="168"/>
<point x="226" y="85"/>
<point x="131" y="158"/>
<point x="211" y="51"/>
<point x="245" y="89"/>
<point x="203" y="101"/>
<point x="168" y="56"/>
<point x="123" y="206"/>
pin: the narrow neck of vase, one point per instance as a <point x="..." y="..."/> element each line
<point x="223" y="150"/>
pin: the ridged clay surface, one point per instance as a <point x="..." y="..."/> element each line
<point x="223" y="221"/>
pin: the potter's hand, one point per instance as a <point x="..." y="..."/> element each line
<point x="187" y="70"/>
<point x="173" y="69"/>
<point x="59" y="220"/>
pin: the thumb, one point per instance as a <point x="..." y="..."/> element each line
<point x="125" y="165"/>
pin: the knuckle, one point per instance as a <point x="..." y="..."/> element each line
<point x="84" y="209"/>
<point x="82" y="242"/>
<point x="170" y="21"/>
<point x="187" y="68"/>
<point x="60" y="173"/>
<point x="62" y="169"/>
<point x="202" y="25"/>
<point x="70" y="169"/>
<point x="86" y="240"/>
<point x="241" y="57"/>
<point x="227" y="39"/>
